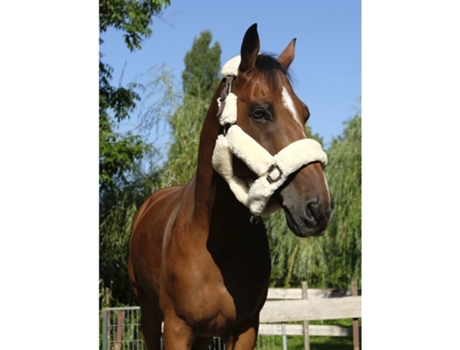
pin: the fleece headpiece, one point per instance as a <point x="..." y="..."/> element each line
<point x="272" y="170"/>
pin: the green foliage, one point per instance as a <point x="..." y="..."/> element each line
<point x="131" y="16"/>
<point x="294" y="259"/>
<point x="120" y="201"/>
<point x="296" y="342"/>
<point x="119" y="207"/>
<point x="202" y="64"/>
<point x="200" y="80"/>
<point x="334" y="259"/>
<point x="124" y="185"/>
<point x="117" y="152"/>
<point x="342" y="241"/>
<point x="186" y="126"/>
<point x="115" y="231"/>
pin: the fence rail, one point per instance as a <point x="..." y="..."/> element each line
<point x="297" y="329"/>
<point x="121" y="325"/>
<point x="314" y="309"/>
<point x="296" y="293"/>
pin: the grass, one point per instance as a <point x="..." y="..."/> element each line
<point x="296" y="342"/>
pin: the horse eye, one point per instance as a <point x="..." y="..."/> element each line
<point x="259" y="113"/>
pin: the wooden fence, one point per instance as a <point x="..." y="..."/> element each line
<point x="294" y="304"/>
<point x="282" y="306"/>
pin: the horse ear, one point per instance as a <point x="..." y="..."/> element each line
<point x="249" y="49"/>
<point x="287" y="56"/>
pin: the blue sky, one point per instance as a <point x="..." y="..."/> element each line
<point x="327" y="65"/>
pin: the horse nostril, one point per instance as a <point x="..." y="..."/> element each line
<point x="311" y="211"/>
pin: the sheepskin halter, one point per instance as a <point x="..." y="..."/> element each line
<point x="272" y="170"/>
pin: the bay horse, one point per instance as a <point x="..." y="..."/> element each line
<point x="199" y="256"/>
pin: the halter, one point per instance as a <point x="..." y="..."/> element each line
<point x="272" y="171"/>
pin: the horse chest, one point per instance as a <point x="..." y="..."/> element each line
<point x="213" y="309"/>
<point x="217" y="290"/>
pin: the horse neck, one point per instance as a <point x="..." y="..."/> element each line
<point x="211" y="190"/>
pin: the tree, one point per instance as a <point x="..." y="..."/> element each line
<point x="199" y="80"/>
<point x="333" y="260"/>
<point x="115" y="232"/>
<point x="130" y="16"/>
<point x="342" y="241"/>
<point x="118" y="152"/>
<point x="294" y="259"/>
<point x="119" y="203"/>
<point x="122" y="183"/>
<point x="202" y="64"/>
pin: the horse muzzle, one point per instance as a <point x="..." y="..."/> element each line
<point x="307" y="203"/>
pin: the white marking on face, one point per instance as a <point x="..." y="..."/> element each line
<point x="327" y="187"/>
<point x="289" y="104"/>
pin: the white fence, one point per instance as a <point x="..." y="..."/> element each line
<point x="121" y="326"/>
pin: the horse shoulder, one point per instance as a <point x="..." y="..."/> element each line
<point x="147" y="238"/>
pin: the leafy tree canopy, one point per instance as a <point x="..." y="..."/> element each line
<point x="123" y="185"/>
<point x="202" y="64"/>
<point x="133" y="17"/>
<point x="342" y="241"/>
<point x="118" y="152"/>
<point x="200" y="80"/>
<point x="333" y="260"/>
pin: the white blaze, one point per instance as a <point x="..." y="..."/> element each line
<point x="289" y="104"/>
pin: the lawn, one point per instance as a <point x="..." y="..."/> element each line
<point x="296" y="342"/>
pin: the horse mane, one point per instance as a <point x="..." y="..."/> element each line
<point x="270" y="67"/>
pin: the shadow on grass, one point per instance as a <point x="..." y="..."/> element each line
<point x="330" y="343"/>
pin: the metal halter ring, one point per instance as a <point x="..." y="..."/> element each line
<point x="270" y="170"/>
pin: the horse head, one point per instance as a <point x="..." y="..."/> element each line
<point x="264" y="152"/>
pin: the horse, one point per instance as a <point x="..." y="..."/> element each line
<point x="199" y="257"/>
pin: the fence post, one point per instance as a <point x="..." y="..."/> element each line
<point x="120" y="330"/>
<point x="104" y="329"/>
<point x="283" y="327"/>
<point x="306" y="333"/>
<point x="354" y="292"/>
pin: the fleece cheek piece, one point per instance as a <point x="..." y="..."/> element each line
<point x="272" y="170"/>
<point x="228" y="115"/>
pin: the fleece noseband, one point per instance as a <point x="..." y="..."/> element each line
<point x="272" y="171"/>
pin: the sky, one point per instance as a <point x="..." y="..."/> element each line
<point x="410" y="94"/>
<point x="327" y="66"/>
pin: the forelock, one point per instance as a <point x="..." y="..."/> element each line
<point x="270" y="68"/>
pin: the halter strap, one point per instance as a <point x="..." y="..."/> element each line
<point x="227" y="105"/>
<point x="225" y="92"/>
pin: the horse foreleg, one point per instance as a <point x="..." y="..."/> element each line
<point x="151" y="318"/>
<point x="246" y="337"/>
<point x="177" y="335"/>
